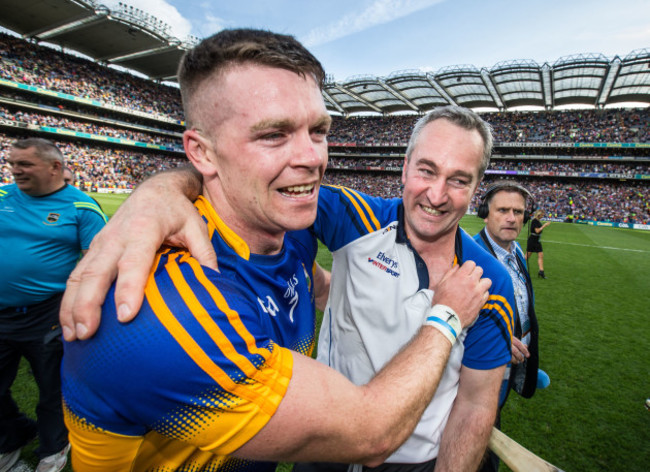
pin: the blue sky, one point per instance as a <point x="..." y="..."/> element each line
<point x="378" y="37"/>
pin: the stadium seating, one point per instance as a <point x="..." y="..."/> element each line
<point x="115" y="129"/>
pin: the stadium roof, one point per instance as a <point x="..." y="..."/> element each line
<point x="136" y="40"/>
<point x="125" y="36"/>
<point x="586" y="79"/>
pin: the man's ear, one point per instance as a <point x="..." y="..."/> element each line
<point x="406" y="161"/>
<point x="57" y="166"/>
<point x="200" y="152"/>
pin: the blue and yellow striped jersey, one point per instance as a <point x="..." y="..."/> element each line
<point x="203" y="366"/>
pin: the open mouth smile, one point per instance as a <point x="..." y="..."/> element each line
<point x="298" y="190"/>
<point x="431" y="211"/>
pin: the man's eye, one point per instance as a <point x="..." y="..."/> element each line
<point x="274" y="135"/>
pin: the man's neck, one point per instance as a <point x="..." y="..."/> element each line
<point x="438" y="254"/>
<point x="44" y="192"/>
<point x="509" y="247"/>
<point x="258" y="241"/>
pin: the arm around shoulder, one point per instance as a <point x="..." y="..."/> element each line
<point x="159" y="210"/>
<point x="325" y="417"/>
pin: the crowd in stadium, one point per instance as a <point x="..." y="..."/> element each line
<point x="610" y="125"/>
<point x="629" y="170"/>
<point x="97" y="166"/>
<point x="100" y="168"/>
<point x="60" y="122"/>
<point x="41" y="66"/>
<point x="31" y="64"/>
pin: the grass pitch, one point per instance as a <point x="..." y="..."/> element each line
<point x="594" y="339"/>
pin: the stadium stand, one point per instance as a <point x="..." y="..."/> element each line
<point x="582" y="165"/>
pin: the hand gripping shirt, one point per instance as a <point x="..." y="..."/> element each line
<point x="204" y="365"/>
<point x="42" y="239"/>
<point x="379" y="298"/>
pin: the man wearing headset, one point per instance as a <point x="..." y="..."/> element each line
<point x="503" y="208"/>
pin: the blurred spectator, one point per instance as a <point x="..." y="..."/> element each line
<point x="45" y="226"/>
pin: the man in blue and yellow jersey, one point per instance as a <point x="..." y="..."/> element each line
<point x="45" y="225"/>
<point x="389" y="258"/>
<point x="214" y="373"/>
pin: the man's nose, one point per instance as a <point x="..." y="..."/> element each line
<point x="437" y="192"/>
<point x="306" y="152"/>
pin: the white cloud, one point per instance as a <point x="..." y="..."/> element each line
<point x="161" y="9"/>
<point x="211" y="25"/>
<point x="378" y="12"/>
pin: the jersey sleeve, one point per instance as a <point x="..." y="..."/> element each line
<point x="196" y="365"/>
<point x="488" y="341"/>
<point x="91" y="220"/>
<point x="345" y="214"/>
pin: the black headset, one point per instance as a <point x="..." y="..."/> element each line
<point x="484" y="207"/>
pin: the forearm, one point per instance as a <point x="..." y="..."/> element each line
<point x="355" y="424"/>
<point x="322" y="280"/>
<point x="342" y="422"/>
<point x="403" y="379"/>
<point x="186" y="180"/>
<point x="465" y="439"/>
<point x="325" y="417"/>
<point x="470" y="423"/>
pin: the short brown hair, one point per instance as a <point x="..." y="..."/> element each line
<point x="46" y="150"/>
<point x="241" y="46"/>
<point x="462" y="117"/>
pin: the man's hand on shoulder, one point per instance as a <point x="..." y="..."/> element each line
<point x="464" y="290"/>
<point x="158" y="212"/>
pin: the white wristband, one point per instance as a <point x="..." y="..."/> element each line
<point x="445" y="320"/>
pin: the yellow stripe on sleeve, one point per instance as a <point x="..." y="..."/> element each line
<point x="355" y="198"/>
<point x="268" y="404"/>
<point x="212" y="329"/>
<point x="499" y="305"/>
<point x="91" y="206"/>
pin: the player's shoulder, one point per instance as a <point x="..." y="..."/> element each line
<point x="474" y="251"/>
<point x="347" y="194"/>
<point x="176" y="268"/>
<point x="337" y="204"/>
<point x="228" y="295"/>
